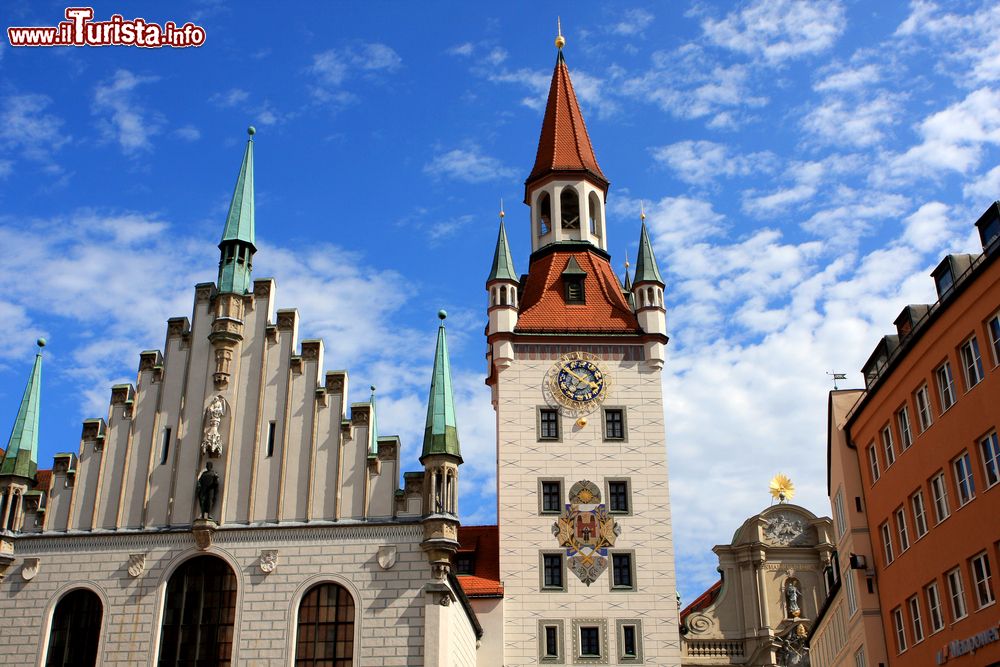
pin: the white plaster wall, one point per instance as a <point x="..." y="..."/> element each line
<point x="489" y="611"/>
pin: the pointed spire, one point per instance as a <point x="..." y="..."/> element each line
<point x="564" y="144"/>
<point x="503" y="265"/>
<point x="373" y="428"/>
<point x="646" y="269"/>
<point x="628" y="280"/>
<point x="239" y="222"/>
<point x="21" y="456"/>
<point x="441" y="431"/>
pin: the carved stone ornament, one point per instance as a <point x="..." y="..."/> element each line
<point x="440" y="570"/>
<point x="211" y="443"/>
<point x="783" y="530"/>
<point x="387" y="556"/>
<point x="792" y="648"/>
<point x="136" y="564"/>
<point x="268" y="560"/>
<point x="203" y="530"/>
<point x="445" y="600"/>
<point x="30" y="568"/>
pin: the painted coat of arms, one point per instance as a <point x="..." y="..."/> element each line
<point x="586" y="530"/>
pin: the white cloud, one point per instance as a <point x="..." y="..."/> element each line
<point x="229" y="98"/>
<point x="838" y="122"/>
<point x="188" y="133"/>
<point x="778" y="30"/>
<point x="633" y="22"/>
<point x="986" y="188"/>
<point x="849" y="79"/>
<point x="928" y="227"/>
<point x="332" y="68"/>
<point x="464" y="49"/>
<point x="27" y="129"/>
<point x="963" y="44"/>
<point x="123" y="118"/>
<point x="468" y="164"/>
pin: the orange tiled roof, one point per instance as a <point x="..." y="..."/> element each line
<point x="564" y="144"/>
<point x="544" y="308"/>
<point x="703" y="601"/>
<point x="484" y="542"/>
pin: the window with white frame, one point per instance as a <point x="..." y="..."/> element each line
<point x="956" y="594"/>
<point x="838" y="513"/>
<point x="972" y="363"/>
<point x="897" y="622"/>
<point x="905" y="434"/>
<point x="946" y="385"/>
<point x="873" y="462"/>
<point x="852" y="596"/>
<point x="924" y="415"/>
<point x="886" y="542"/>
<point x="982" y="580"/>
<point x="859" y="658"/>
<point x="887" y="446"/>
<point x="919" y="513"/>
<point x="964" y="482"/>
<point x="939" y="492"/>
<point x="916" y="623"/>
<point x="990" y="450"/>
<point x="934" y="607"/>
<point x="904" y="536"/>
<point x="994" y="328"/>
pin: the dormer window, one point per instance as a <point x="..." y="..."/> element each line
<point x="943" y="281"/>
<point x="569" y="203"/>
<point x="573" y="280"/>
<point x="574" y="290"/>
<point x="989" y="225"/>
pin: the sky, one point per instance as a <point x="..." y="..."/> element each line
<point x="804" y="166"/>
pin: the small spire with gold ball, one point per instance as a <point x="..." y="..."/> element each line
<point x="560" y="40"/>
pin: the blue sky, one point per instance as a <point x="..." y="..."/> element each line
<point x="805" y="165"/>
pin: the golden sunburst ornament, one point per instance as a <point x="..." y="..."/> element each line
<point x="782" y="488"/>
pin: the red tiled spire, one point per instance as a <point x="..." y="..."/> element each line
<point x="564" y="144"/>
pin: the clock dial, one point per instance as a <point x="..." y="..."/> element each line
<point x="577" y="383"/>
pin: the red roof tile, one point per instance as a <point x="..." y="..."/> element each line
<point x="544" y="307"/>
<point x="703" y="601"/>
<point x="43" y="478"/>
<point x="564" y="144"/>
<point x="484" y="543"/>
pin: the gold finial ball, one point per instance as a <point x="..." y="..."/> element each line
<point x="560" y="42"/>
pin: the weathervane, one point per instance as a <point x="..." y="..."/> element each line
<point x="782" y="488"/>
<point x="836" y="376"/>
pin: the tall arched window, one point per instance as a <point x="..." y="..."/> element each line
<point x="594" y="213"/>
<point x="544" y="214"/>
<point x="199" y="614"/>
<point x="569" y="204"/>
<point x="76" y="629"/>
<point x="325" y="634"/>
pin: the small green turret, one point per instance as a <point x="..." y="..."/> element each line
<point x="237" y="244"/>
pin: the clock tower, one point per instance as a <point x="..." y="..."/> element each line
<point x="574" y="364"/>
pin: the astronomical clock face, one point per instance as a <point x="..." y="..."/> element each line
<point x="577" y="383"/>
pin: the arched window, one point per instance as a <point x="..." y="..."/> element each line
<point x="569" y="203"/>
<point x="594" y="213"/>
<point x="199" y="614"/>
<point x="325" y="634"/>
<point x="76" y="629"/>
<point x="544" y="214"/>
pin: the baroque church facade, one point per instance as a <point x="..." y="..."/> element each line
<point x="234" y="507"/>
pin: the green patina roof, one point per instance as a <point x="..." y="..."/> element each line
<point x="441" y="431"/>
<point x="645" y="264"/>
<point x="239" y="222"/>
<point x="503" y="265"/>
<point x="573" y="268"/>
<point x="21" y="457"/>
<point x="628" y="281"/>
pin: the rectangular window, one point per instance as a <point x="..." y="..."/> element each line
<point x="614" y="424"/>
<point x="990" y="450"/>
<point x="618" y="496"/>
<point x="838" y="513"/>
<point x="897" y="622"/>
<point x="551" y="649"/>
<point x="994" y="326"/>
<point x="629" y="644"/>
<point x="946" y="385"/>
<point x="956" y="593"/>
<point x="590" y="641"/>
<point x="165" y="446"/>
<point x="972" y="363"/>
<point x="859" y="658"/>
<point x="551" y="496"/>
<point x="983" y="579"/>
<point x="548" y="424"/>
<point x="915" y="621"/>
<point x="552" y="571"/>
<point x="903" y="421"/>
<point x="621" y="571"/>
<point x="964" y="483"/>
<point x="852" y="596"/>
<point x="924" y="408"/>
<point x="934" y="607"/>
<point x="464" y="564"/>
<point x="940" y="493"/>
<point x="919" y="513"/>
<point x="887" y="447"/>
<point x="886" y="542"/>
<point x="269" y="452"/>
<point x="904" y="536"/>
<point x="873" y="462"/>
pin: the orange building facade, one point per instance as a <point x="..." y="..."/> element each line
<point x="925" y="437"/>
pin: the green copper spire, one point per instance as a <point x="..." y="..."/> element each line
<point x="503" y="265"/>
<point x="441" y="432"/>
<point x="21" y="457"/>
<point x="237" y="243"/>
<point x="628" y="281"/>
<point x="373" y="429"/>
<point x="646" y="270"/>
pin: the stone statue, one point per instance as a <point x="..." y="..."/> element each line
<point x="793" y="598"/>
<point x="211" y="444"/>
<point x="208" y="489"/>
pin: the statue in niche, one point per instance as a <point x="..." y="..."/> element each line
<point x="211" y="444"/>
<point x="208" y="489"/>
<point x="793" y="597"/>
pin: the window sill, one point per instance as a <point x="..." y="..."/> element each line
<point x="986" y="606"/>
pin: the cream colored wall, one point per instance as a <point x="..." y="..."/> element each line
<point x="490" y="612"/>
<point x="581" y="455"/>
